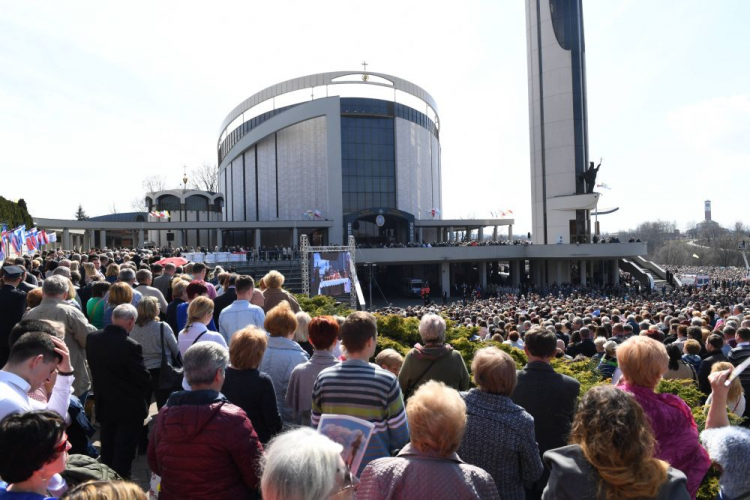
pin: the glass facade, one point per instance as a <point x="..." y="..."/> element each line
<point x="368" y="162"/>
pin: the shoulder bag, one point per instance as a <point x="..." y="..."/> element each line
<point x="170" y="377"/>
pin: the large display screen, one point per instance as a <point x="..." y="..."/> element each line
<point x="329" y="273"/>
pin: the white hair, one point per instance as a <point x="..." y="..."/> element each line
<point x="303" y="321"/>
<point x="432" y="328"/>
<point x="299" y="465"/>
<point x="124" y="311"/>
<point x="202" y="361"/>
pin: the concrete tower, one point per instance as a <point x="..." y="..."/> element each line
<point x="561" y="197"/>
<point x="707" y="209"/>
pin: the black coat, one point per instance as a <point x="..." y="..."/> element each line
<point x="585" y="347"/>
<point x="172" y="315"/>
<point x="119" y="376"/>
<point x="12" y="309"/>
<point x="551" y="399"/>
<point x="705" y="369"/>
<point x="253" y="391"/>
<point x="223" y="301"/>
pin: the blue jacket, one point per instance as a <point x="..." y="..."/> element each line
<point x="281" y="356"/>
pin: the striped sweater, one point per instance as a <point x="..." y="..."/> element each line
<point x="364" y="390"/>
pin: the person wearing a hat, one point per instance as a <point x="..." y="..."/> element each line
<point x="12" y="305"/>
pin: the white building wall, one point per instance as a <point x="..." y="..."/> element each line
<point x="250" y="212"/>
<point x="267" y="179"/>
<point x="235" y="186"/>
<point x="303" y="169"/>
<point x="436" y="192"/>
<point x="414" y="183"/>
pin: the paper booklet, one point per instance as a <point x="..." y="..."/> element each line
<point x="350" y="432"/>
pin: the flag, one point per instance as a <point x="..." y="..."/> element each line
<point x="166" y="214"/>
<point x="31" y="240"/>
<point x="52" y="237"/>
<point x="44" y="237"/>
<point x="510" y="211"/>
<point x="318" y="214"/>
<point x="3" y="235"/>
<point x="18" y="237"/>
<point x="603" y="186"/>
<point x="696" y="256"/>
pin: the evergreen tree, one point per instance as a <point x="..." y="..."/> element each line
<point x="80" y="214"/>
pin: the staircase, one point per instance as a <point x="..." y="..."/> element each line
<point x="291" y="269"/>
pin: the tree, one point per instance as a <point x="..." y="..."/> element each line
<point x="81" y="214"/>
<point x="205" y="178"/>
<point x="154" y="183"/>
<point x="113" y="208"/>
<point x="22" y="204"/>
<point x="139" y="204"/>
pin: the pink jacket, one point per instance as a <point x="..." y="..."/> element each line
<point x="675" y="432"/>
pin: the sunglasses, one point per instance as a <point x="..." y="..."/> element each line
<point x="64" y="445"/>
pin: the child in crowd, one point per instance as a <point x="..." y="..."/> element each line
<point x="389" y="359"/>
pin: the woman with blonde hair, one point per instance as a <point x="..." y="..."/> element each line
<point x="611" y="454"/>
<point x="643" y="361"/>
<point x="282" y="355"/>
<point x="106" y="490"/>
<point x="112" y="271"/>
<point x="200" y="313"/>
<point x="274" y="294"/>
<point x="301" y="333"/>
<point x="736" y="397"/>
<point x="155" y="335"/>
<point x="89" y="272"/>
<point x="428" y="467"/>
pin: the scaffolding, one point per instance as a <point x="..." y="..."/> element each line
<point x="306" y="250"/>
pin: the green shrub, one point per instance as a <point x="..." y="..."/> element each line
<point x="14" y="214"/>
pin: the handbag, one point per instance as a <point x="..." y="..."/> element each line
<point x="170" y="376"/>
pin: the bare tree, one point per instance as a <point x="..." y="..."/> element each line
<point x="154" y="183"/>
<point x="205" y="178"/>
<point x="113" y="208"/>
<point x="139" y="204"/>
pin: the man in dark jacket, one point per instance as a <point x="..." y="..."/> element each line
<point x="226" y="298"/>
<point x="738" y="355"/>
<point x="547" y="396"/>
<point x="12" y="305"/>
<point x="586" y="346"/>
<point x="203" y="446"/>
<point x="714" y="345"/>
<point x="120" y="381"/>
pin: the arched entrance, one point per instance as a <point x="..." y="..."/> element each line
<point x="380" y="226"/>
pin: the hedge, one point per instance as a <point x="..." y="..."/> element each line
<point x="401" y="334"/>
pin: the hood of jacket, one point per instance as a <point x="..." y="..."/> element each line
<point x="187" y="413"/>
<point x="431" y="352"/>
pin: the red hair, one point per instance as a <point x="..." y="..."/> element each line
<point x="323" y="331"/>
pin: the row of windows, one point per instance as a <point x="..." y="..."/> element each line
<point x="367" y="151"/>
<point x="368" y="184"/>
<point x="365" y="167"/>
<point x="362" y="106"/>
<point x="239" y="132"/>
<point x="354" y="202"/>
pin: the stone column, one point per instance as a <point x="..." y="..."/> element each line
<point x="445" y="277"/>
<point x="591" y="271"/>
<point x="295" y="237"/>
<point x="257" y="239"/>
<point x="615" y="272"/>
<point x="494" y="233"/>
<point x="141" y="239"/>
<point x="558" y="272"/>
<point x="515" y="272"/>
<point x="483" y="274"/>
<point x="480" y="234"/>
<point x="420" y="235"/>
<point x="582" y="268"/>
<point x="451" y="235"/>
<point x="510" y="232"/>
<point x="219" y="238"/>
<point x="102" y="238"/>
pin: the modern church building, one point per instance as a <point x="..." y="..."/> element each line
<point x="358" y="150"/>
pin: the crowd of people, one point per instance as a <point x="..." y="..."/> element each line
<point x="241" y="378"/>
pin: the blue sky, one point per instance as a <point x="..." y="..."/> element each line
<point x="95" y="96"/>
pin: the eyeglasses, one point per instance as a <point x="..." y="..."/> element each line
<point x="348" y="486"/>
<point x="64" y="445"/>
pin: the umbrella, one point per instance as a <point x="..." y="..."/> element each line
<point x="177" y="261"/>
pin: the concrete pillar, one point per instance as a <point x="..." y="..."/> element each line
<point x="141" y="238"/>
<point x="480" y="235"/>
<point x="219" y="238"/>
<point x="102" y="238"/>
<point x="445" y="277"/>
<point x="510" y="232"/>
<point x="420" y="235"/>
<point x="295" y="237"/>
<point x="591" y="271"/>
<point x="615" y="270"/>
<point x="178" y="240"/>
<point x="582" y="267"/>
<point x="66" y="239"/>
<point x="257" y="239"/>
<point x="92" y="242"/>
<point x="483" y="274"/>
<point x="515" y="272"/>
<point x="558" y="272"/>
<point x="494" y="233"/>
<point x="451" y="234"/>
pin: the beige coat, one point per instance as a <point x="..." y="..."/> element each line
<point x="274" y="296"/>
<point x="77" y="329"/>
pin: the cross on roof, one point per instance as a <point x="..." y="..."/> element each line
<point x="364" y="65"/>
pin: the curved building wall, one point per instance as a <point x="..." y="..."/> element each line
<point x="334" y="155"/>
